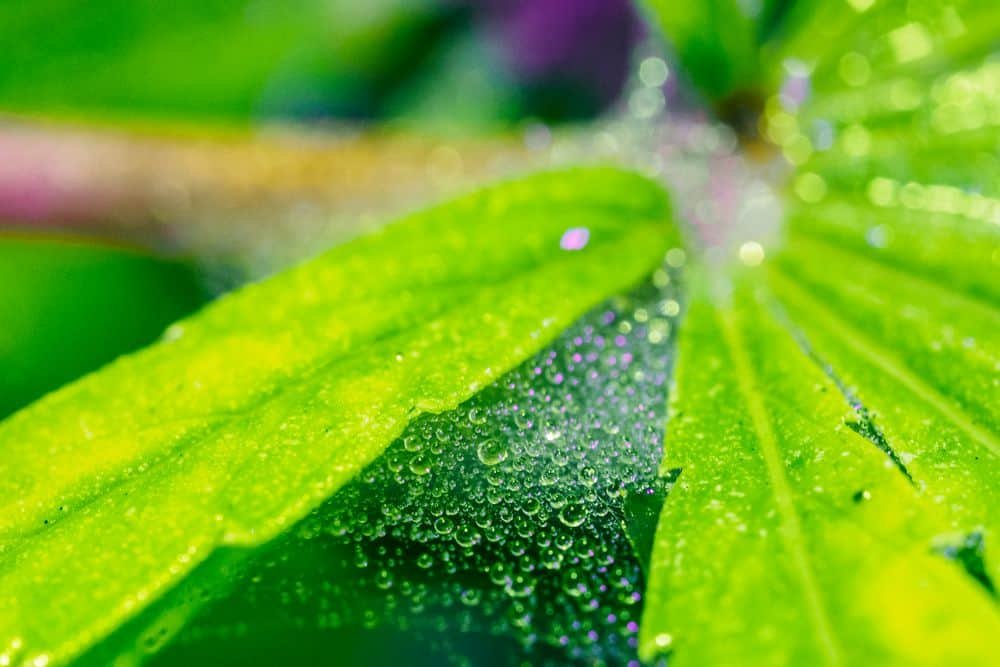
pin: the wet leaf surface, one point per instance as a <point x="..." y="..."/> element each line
<point x="787" y="535"/>
<point x="249" y="414"/>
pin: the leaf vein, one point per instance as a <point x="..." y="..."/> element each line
<point x="791" y="529"/>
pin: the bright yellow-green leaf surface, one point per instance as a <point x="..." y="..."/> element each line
<point x="788" y="538"/>
<point x="901" y="191"/>
<point x="922" y="357"/>
<point x="247" y="415"/>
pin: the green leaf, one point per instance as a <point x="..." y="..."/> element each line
<point x="922" y="357"/>
<point x="375" y="555"/>
<point x="249" y="414"/>
<point x="836" y="421"/>
<point x="83" y="305"/>
<point x="905" y="199"/>
<point x="788" y="537"/>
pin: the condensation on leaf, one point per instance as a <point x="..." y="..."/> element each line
<point x="501" y="517"/>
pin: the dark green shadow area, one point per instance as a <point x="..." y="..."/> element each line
<point x="68" y="307"/>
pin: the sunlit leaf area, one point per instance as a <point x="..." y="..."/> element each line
<point x="500" y="332"/>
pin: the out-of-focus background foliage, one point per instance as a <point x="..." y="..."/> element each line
<point x="239" y="61"/>
<point x="154" y="153"/>
<point x="69" y="306"/>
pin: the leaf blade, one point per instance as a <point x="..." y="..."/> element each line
<point x="947" y="447"/>
<point x="814" y="549"/>
<point x="324" y="365"/>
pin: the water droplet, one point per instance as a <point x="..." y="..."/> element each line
<point x="467" y="536"/>
<point x="491" y="452"/>
<point x="573" y="514"/>
<point x="384" y="579"/>
<point x="420" y="465"/>
<point x="443" y="525"/>
<point x="477" y="416"/>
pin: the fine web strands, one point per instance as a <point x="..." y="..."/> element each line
<point x="500" y="519"/>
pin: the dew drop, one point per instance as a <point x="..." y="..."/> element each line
<point x="491" y="452"/>
<point x="573" y="514"/>
<point x="420" y="465"/>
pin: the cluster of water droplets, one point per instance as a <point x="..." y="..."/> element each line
<point x="503" y="517"/>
